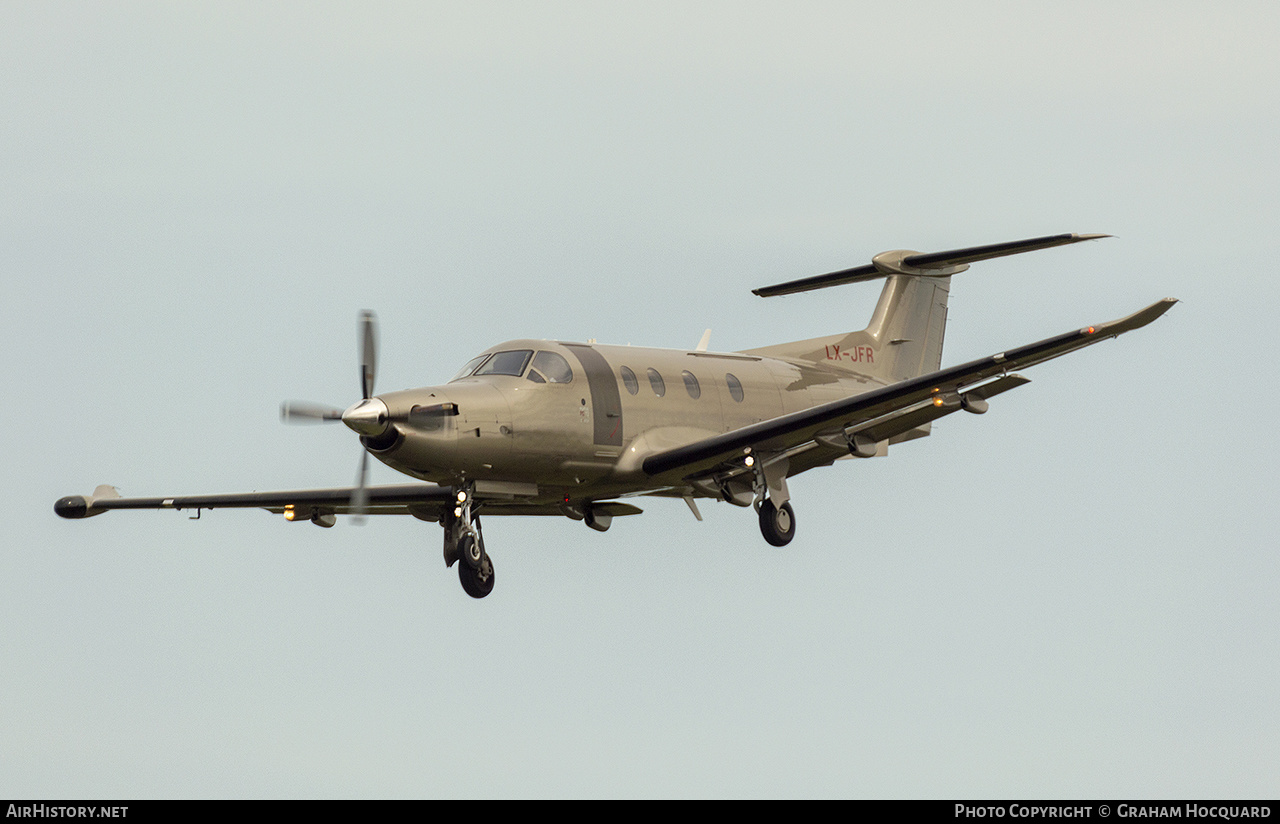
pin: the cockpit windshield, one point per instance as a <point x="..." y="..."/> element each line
<point x="469" y="368"/>
<point x="506" y="363"/>
<point x="513" y="362"/>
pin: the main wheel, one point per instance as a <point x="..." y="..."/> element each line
<point x="477" y="582"/>
<point x="777" y="525"/>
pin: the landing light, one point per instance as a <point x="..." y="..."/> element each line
<point x="750" y="461"/>
<point x="289" y="513"/>
<point x="938" y="401"/>
<point x="462" y="496"/>
<point x="457" y="512"/>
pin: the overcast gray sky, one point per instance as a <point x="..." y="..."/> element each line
<point x="1071" y="596"/>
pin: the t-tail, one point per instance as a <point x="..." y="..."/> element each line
<point x="904" y="338"/>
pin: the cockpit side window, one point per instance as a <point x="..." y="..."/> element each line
<point x="548" y="367"/>
<point x="506" y="363"/>
<point x="469" y="368"/>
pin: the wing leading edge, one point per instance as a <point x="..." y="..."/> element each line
<point x="424" y="501"/>
<point x="396" y="497"/>
<point x="913" y="400"/>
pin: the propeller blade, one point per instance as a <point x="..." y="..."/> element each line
<point x="368" y="352"/>
<point x="360" y="497"/>
<point x="307" y="412"/>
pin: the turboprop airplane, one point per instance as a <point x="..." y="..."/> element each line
<point x="539" y="427"/>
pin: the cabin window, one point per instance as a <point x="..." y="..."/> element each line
<point x="629" y="380"/>
<point x="469" y="368"/>
<point x="548" y="367"/>
<point x="735" y="387"/>
<point x="506" y="363"/>
<point x="691" y="385"/>
<point x="655" y="380"/>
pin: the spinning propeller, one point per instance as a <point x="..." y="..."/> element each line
<point x="367" y="417"/>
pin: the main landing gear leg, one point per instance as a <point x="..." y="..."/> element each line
<point x="773" y="502"/>
<point x="464" y="542"/>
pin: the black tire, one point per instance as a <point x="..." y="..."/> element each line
<point x="778" y="526"/>
<point x="476" y="582"/>
<point x="470" y="551"/>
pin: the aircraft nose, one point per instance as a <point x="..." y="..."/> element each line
<point x="368" y="417"/>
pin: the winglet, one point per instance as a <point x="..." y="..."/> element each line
<point x="1137" y="320"/>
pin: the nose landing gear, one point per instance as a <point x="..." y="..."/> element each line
<point x="476" y="570"/>
<point x="464" y="543"/>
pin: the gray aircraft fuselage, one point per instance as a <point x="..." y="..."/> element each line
<point x="586" y="436"/>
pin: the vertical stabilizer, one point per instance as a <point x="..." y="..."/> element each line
<point x="903" y="340"/>
<point x="909" y="324"/>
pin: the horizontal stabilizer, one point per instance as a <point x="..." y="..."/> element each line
<point x="929" y="264"/>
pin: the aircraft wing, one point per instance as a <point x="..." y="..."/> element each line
<point x="380" y="499"/>
<point x="425" y="501"/>
<point x="881" y="413"/>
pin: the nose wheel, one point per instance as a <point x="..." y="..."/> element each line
<point x="464" y="545"/>
<point x="476" y="570"/>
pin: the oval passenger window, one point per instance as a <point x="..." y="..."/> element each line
<point x="691" y="385"/>
<point x="629" y="380"/>
<point x="735" y="387"/>
<point x="655" y="380"/>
